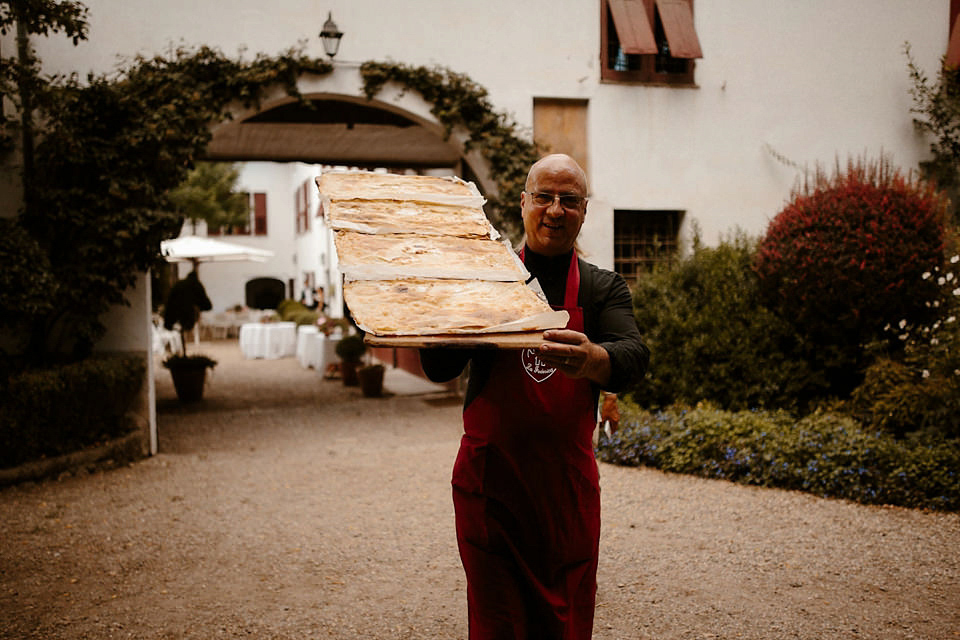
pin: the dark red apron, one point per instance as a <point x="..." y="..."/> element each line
<point x="527" y="497"/>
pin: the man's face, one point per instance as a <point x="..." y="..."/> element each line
<point x="553" y="228"/>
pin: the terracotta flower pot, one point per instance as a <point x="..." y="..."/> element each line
<point x="189" y="383"/>
<point x="371" y="380"/>
<point x="189" y="375"/>
<point x="348" y="373"/>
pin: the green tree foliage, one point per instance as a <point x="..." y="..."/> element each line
<point x="845" y="258"/>
<point x="209" y="194"/>
<point x="711" y="339"/>
<point x="937" y="106"/>
<point x="112" y="149"/>
<point x="42" y="17"/>
<point x="20" y="77"/>
<point x="187" y="299"/>
<point x="27" y="288"/>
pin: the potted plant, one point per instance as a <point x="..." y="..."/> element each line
<point x="186" y="300"/>
<point x="370" y="376"/>
<point x="350" y="350"/>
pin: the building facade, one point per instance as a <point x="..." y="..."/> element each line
<point x="685" y="113"/>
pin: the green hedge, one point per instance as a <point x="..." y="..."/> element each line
<point x="711" y="339"/>
<point x="824" y="454"/>
<point x="63" y="409"/>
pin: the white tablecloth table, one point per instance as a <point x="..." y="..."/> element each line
<point x="319" y="351"/>
<point x="305" y="335"/>
<point x="268" y="340"/>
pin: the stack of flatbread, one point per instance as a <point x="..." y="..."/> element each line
<point x="422" y="264"/>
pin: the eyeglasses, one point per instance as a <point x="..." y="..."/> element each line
<point x="569" y="201"/>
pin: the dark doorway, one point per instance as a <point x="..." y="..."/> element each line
<point x="264" y="293"/>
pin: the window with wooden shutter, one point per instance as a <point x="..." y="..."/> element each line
<point x="260" y="214"/>
<point x="648" y="41"/>
<point x="301" y="207"/>
<point x="305" y="190"/>
<point x="632" y="27"/>
<point x="240" y="229"/>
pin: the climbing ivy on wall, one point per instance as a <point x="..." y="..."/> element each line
<point x="457" y="101"/>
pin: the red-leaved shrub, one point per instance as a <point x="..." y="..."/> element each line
<point x="846" y="257"/>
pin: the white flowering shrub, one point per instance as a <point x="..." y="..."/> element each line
<point x="918" y="389"/>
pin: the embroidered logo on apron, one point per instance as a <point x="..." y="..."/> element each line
<point x="534" y="366"/>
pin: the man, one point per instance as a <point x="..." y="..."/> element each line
<point x="525" y="484"/>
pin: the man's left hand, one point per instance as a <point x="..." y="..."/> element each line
<point x="574" y="355"/>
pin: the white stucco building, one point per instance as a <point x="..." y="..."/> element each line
<point x="806" y="81"/>
<point x="714" y="130"/>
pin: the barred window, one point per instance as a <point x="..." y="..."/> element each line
<point x="643" y="238"/>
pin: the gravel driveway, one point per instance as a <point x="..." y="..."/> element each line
<point x="286" y="506"/>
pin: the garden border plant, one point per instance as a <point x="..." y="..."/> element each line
<point x="825" y="454"/>
<point x="895" y="442"/>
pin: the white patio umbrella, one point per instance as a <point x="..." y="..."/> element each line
<point x="198" y="249"/>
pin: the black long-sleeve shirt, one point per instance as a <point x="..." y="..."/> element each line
<point x="608" y="321"/>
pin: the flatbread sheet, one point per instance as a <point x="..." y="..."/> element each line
<point x="436" y="307"/>
<point x="347" y="185"/>
<point x="407" y="216"/>
<point x="420" y="259"/>
<point x="364" y="256"/>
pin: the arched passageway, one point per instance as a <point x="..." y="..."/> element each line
<point x="338" y="125"/>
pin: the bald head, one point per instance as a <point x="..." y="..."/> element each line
<point x="553" y="204"/>
<point x="558" y="163"/>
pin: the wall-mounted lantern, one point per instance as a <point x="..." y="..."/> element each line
<point x="330" y="36"/>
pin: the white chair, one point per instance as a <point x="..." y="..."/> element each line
<point x="218" y="325"/>
<point x="165" y="341"/>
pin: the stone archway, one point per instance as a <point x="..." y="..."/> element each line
<point x="341" y="126"/>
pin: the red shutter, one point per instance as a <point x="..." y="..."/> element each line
<point x="633" y="26"/>
<point x="260" y="214"/>
<point x="296" y="211"/>
<point x="677" y="19"/>
<point x="301" y="207"/>
<point x="306" y="205"/>
<point x="953" y="49"/>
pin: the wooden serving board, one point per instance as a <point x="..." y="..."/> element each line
<point x="516" y="340"/>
